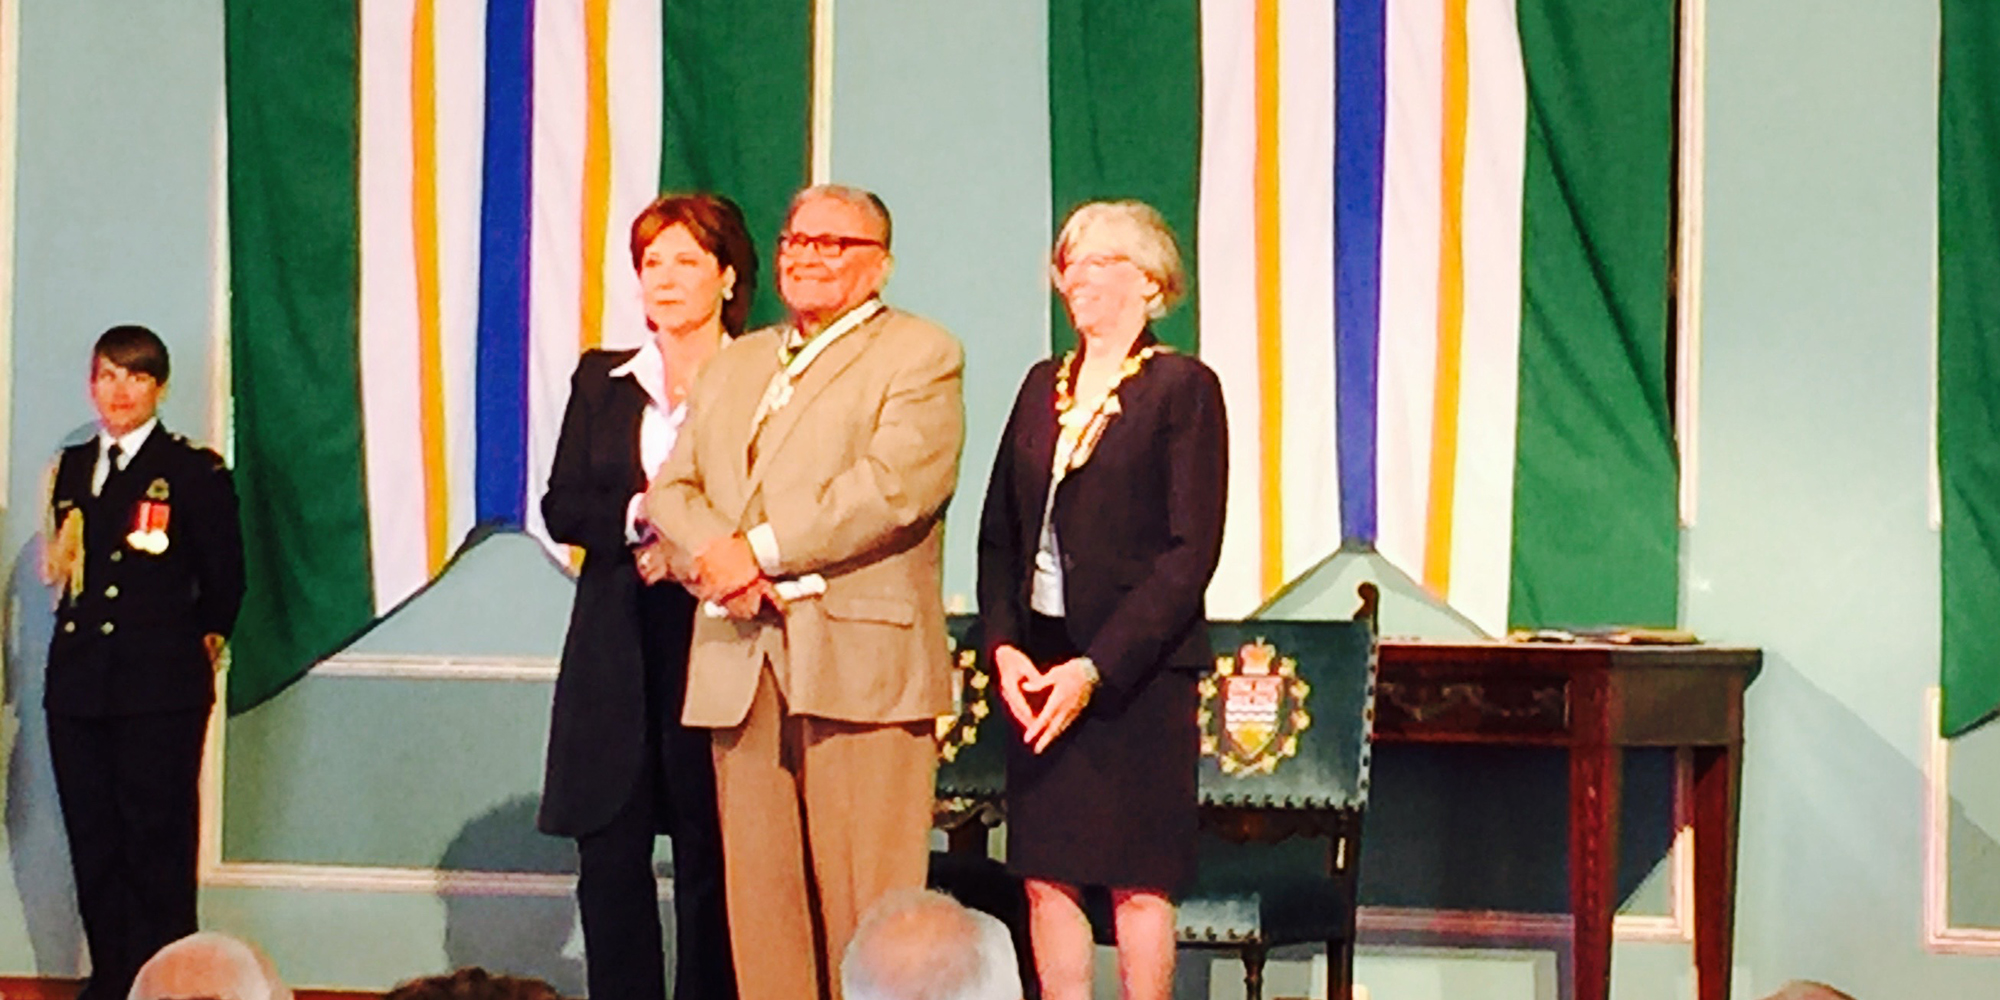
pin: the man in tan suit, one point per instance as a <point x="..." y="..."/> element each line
<point x="810" y="486"/>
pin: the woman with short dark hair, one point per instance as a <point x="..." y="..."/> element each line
<point x="621" y="767"/>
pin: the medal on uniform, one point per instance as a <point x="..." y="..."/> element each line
<point x="149" y="520"/>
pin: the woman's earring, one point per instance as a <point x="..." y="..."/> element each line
<point x="728" y="293"/>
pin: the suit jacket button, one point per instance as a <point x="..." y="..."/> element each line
<point x="107" y="628"/>
<point x="1069" y="562"/>
<point x="69" y="626"/>
<point x="117" y="556"/>
<point x="111" y="591"/>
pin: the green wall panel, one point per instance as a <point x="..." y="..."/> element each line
<point x="370" y="940"/>
<point x="392" y="772"/>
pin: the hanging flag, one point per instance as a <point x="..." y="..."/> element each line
<point x="1968" y="354"/>
<point x="429" y="202"/>
<point x="1430" y="243"/>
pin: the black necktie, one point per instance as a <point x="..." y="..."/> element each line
<point x="112" y="454"/>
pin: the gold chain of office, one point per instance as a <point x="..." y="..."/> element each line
<point x="1066" y="400"/>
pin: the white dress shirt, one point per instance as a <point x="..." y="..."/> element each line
<point x="128" y="446"/>
<point x="659" y="426"/>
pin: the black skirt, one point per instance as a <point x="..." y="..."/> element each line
<point x="1112" y="801"/>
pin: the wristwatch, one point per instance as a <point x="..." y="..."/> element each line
<point x="1090" y="675"/>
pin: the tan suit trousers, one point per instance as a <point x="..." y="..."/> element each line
<point x="815" y="808"/>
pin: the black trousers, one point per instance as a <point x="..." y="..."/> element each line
<point x="622" y="943"/>
<point x="129" y="789"/>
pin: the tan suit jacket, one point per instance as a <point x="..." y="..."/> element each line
<point x="853" y="475"/>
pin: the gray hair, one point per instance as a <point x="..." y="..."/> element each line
<point x="867" y="202"/>
<point x="1135" y="231"/>
<point x="922" y="945"/>
<point x="209" y="964"/>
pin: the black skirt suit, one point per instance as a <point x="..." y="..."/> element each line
<point x="621" y="768"/>
<point x="1139" y="527"/>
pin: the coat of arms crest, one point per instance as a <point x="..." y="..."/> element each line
<point x="1253" y="710"/>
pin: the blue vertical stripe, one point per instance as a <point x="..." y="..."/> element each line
<point x="1359" y="84"/>
<point x="504" y="223"/>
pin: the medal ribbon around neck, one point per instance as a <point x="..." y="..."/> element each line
<point x="779" y="391"/>
<point x="1079" y="430"/>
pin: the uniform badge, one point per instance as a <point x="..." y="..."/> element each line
<point x="157" y="490"/>
<point x="149" y="523"/>
<point x="969" y="704"/>
<point x="1253" y="710"/>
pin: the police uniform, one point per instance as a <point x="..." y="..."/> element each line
<point x="130" y="684"/>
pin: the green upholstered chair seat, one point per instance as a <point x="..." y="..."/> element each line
<point x="1271" y="894"/>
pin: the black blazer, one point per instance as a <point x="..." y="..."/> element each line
<point x="1139" y="524"/>
<point x="131" y="642"/>
<point x="598" y="726"/>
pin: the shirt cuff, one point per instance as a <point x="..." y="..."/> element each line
<point x="635" y="520"/>
<point x="764" y="545"/>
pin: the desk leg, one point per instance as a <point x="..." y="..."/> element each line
<point x="1717" y="773"/>
<point x="1340" y="950"/>
<point x="1594" y="774"/>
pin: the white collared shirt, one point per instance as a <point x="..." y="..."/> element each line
<point x="659" y="424"/>
<point x="128" y="446"/>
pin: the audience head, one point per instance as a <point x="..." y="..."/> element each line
<point x="834" y="252"/>
<point x="128" y="372"/>
<point x="1800" y="989"/>
<point x="924" y="945"/>
<point x="693" y="252"/>
<point x="209" y="966"/>
<point x="474" y="984"/>
<point x="1102" y="233"/>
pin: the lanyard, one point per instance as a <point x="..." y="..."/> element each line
<point x="779" y="391"/>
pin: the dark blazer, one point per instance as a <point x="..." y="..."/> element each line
<point x="597" y="733"/>
<point x="1139" y="525"/>
<point x="131" y="642"/>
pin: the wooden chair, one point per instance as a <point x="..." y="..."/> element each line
<point x="1285" y="723"/>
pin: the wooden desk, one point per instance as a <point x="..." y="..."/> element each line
<point x="1596" y="700"/>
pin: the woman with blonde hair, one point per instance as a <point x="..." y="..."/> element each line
<point x="1101" y="528"/>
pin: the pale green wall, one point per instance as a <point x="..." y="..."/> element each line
<point x="1811" y="537"/>
<point x="115" y="200"/>
<point x="943" y="110"/>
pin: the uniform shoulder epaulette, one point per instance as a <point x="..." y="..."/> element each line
<point x="213" y="458"/>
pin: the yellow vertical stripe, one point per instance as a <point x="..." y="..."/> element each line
<point x="1270" y="301"/>
<point x="430" y="321"/>
<point x="596" y="165"/>
<point x="596" y="197"/>
<point x="1451" y="304"/>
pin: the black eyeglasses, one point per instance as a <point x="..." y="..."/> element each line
<point x="823" y="244"/>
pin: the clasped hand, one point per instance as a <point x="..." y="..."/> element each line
<point x="726" y="572"/>
<point x="1065" y="687"/>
